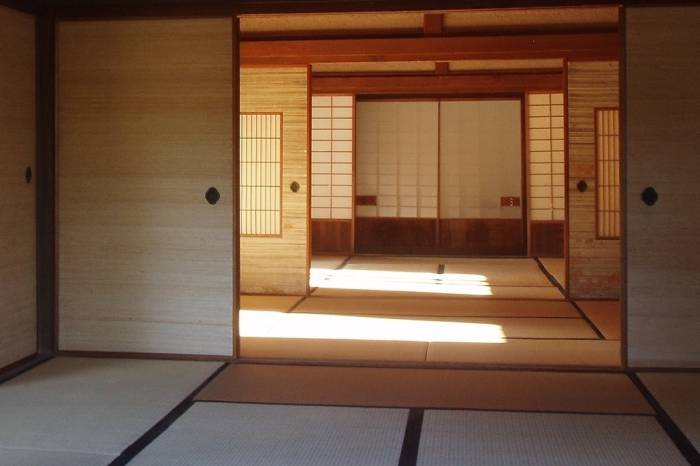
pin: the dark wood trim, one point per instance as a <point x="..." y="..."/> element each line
<point x="137" y="355"/>
<point x="17" y="368"/>
<point x="567" y="268"/>
<point x="366" y="200"/>
<point x="547" y="238"/>
<point x="524" y="165"/>
<point x="94" y="9"/>
<point x="46" y="204"/>
<point x="443" y="48"/>
<point x="31" y="7"/>
<point x="309" y="171"/>
<point x="624" y="355"/>
<point x="432" y="365"/>
<point x="331" y="236"/>
<point x="236" y="183"/>
<point x="433" y="24"/>
<point x="432" y="84"/>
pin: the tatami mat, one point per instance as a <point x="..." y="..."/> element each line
<point x="539" y="352"/>
<point x="476" y="291"/>
<point x="333" y="349"/>
<point x="409" y="328"/>
<point x="269" y="302"/>
<point x="13" y="457"/>
<point x="556" y="266"/>
<point x="606" y="315"/>
<point x="402" y="266"/>
<point x="510" y="272"/>
<point x="679" y="395"/>
<point x="327" y="262"/>
<point x="93" y="406"/>
<point x="222" y="434"/>
<point x="448" y="307"/>
<point x="427" y="388"/>
<point x="450" y="438"/>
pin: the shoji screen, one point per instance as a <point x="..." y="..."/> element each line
<point x="261" y="174"/>
<point x="607" y="137"/>
<point x="397" y="158"/>
<point x="545" y="141"/>
<point x="480" y="158"/>
<point x="17" y="206"/>
<point x="144" y="130"/>
<point x="331" y="156"/>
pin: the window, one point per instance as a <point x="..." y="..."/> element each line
<point x="607" y="149"/>
<point x="545" y="139"/>
<point x="261" y="172"/>
<point x="331" y="156"/>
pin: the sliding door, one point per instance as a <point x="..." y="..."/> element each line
<point x="397" y="177"/>
<point x="145" y="178"/>
<point x="481" y="163"/>
<point x="17" y="188"/>
<point x="439" y="177"/>
<point x="663" y="212"/>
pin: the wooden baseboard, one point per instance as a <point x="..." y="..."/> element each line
<point x="130" y="355"/>
<point x="11" y="371"/>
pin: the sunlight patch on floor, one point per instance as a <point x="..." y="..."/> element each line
<point x="271" y="324"/>
<point x="385" y="280"/>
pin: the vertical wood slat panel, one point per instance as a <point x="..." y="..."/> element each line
<point x="661" y="142"/>
<point x="17" y="198"/>
<point x="594" y="265"/>
<point x="278" y="265"/>
<point x="144" y="129"/>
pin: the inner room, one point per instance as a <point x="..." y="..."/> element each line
<point x="404" y="188"/>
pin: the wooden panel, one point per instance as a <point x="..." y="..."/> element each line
<point x="331" y="237"/>
<point x="438" y="84"/>
<point x="17" y="205"/>
<point x="576" y="45"/>
<point x="488" y="237"/>
<point x="547" y="239"/>
<point x="144" y="129"/>
<point x="395" y="235"/>
<point x="662" y="113"/>
<point x="594" y="265"/>
<point x="279" y="265"/>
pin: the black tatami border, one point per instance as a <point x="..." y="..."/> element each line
<point x="161" y="426"/>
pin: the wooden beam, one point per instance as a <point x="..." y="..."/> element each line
<point x="599" y="46"/>
<point x="455" y="84"/>
<point x="432" y="24"/>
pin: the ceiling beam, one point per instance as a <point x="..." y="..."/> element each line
<point x="580" y="46"/>
<point x="446" y="84"/>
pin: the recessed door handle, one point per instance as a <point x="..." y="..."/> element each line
<point x="582" y="186"/>
<point x="650" y="196"/>
<point x="212" y="195"/>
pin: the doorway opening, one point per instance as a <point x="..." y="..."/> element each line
<point x="451" y="201"/>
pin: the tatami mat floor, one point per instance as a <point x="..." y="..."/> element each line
<point x="431" y="310"/>
<point x="94" y="412"/>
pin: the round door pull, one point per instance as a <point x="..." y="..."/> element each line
<point x="650" y="196"/>
<point x="294" y="187"/>
<point x="582" y="186"/>
<point x="212" y="195"/>
<point x="28" y="175"/>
